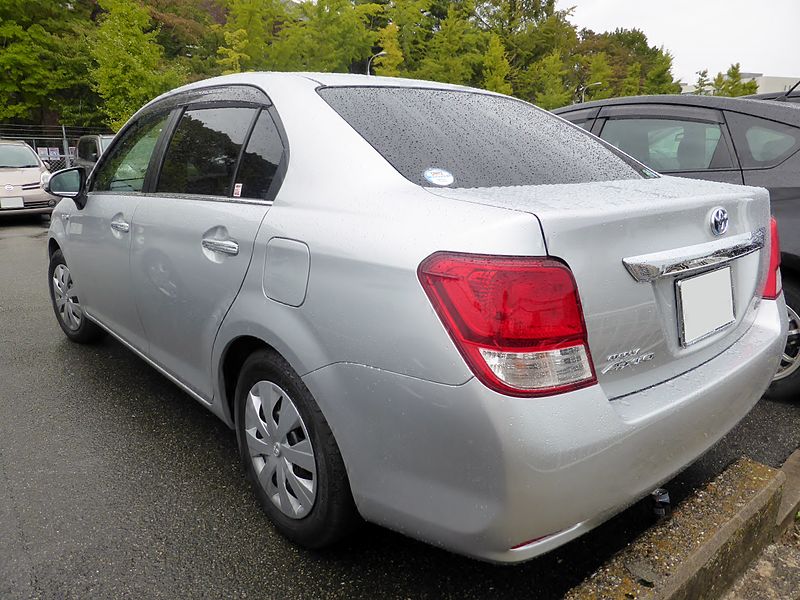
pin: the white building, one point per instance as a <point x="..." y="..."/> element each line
<point x="766" y="83"/>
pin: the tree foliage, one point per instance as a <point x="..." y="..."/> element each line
<point x="90" y="61"/>
<point x="129" y="65"/>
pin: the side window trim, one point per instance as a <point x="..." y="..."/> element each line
<point x="157" y="158"/>
<point x="159" y="154"/>
<point x="725" y="137"/>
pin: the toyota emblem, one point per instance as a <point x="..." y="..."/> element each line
<point x="9" y="187"/>
<point x="719" y="221"/>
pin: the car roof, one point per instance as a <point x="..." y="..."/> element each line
<point x="14" y="143"/>
<point x="777" y="111"/>
<point x="264" y="79"/>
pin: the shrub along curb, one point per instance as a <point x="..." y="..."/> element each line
<point x="707" y="542"/>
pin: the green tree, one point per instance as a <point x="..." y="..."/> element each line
<point x="496" y="68"/>
<point x="718" y="85"/>
<point x="415" y="27"/>
<point x="546" y="78"/>
<point x="327" y="35"/>
<point x="599" y="72"/>
<point x="731" y="83"/>
<point x="703" y="85"/>
<point x="129" y="66"/>
<point x="232" y="55"/>
<point x="632" y="84"/>
<point x="658" y="79"/>
<point x="43" y="58"/>
<point x="261" y="21"/>
<point x="388" y="40"/>
<point x="454" y="54"/>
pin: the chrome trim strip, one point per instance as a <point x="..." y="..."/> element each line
<point x="650" y="267"/>
<point x="151" y="362"/>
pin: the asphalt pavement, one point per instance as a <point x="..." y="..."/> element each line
<point x="115" y="484"/>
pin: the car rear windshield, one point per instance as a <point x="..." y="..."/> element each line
<point x="17" y="157"/>
<point x="465" y="139"/>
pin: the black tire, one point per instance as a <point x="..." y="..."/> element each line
<point x="788" y="388"/>
<point x="87" y="332"/>
<point x="333" y="515"/>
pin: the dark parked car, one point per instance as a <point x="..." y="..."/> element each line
<point x="790" y="95"/>
<point x="734" y="140"/>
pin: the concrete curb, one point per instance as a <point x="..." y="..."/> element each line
<point x="702" y="548"/>
<point x="790" y="501"/>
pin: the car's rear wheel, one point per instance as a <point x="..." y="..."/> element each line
<point x="67" y="305"/>
<point x="290" y="455"/>
<point x="786" y="383"/>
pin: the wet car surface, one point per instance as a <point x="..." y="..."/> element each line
<point x="115" y="483"/>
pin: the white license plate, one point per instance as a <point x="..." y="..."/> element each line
<point x="705" y="305"/>
<point x="11" y="203"/>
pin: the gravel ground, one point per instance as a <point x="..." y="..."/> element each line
<point x="115" y="484"/>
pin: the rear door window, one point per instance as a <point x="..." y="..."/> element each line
<point x="202" y="155"/>
<point x="761" y="142"/>
<point x="670" y="145"/>
<point x="463" y="139"/>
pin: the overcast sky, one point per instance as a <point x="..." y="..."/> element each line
<point x="762" y="35"/>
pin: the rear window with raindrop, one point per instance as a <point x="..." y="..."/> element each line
<point x="461" y="139"/>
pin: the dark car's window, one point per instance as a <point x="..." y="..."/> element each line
<point x="670" y="144"/>
<point x="465" y="139"/>
<point x="260" y="160"/>
<point x="761" y="142"/>
<point x="87" y="149"/>
<point x="125" y="167"/>
<point x="17" y="156"/>
<point x="581" y="118"/>
<point x="202" y="154"/>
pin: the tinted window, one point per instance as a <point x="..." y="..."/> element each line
<point x="466" y="139"/>
<point x="87" y="149"/>
<point x="260" y="160"/>
<point x="17" y="156"/>
<point x="762" y="143"/>
<point x="202" y="154"/>
<point x="126" y="164"/>
<point x="670" y="144"/>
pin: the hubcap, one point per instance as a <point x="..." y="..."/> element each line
<point x="66" y="294"/>
<point x="790" y="361"/>
<point x="280" y="449"/>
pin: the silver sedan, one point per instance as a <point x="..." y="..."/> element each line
<point x="431" y="307"/>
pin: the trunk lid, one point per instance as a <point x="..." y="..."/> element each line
<point x="633" y="326"/>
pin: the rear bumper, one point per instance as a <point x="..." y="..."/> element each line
<point x="479" y="473"/>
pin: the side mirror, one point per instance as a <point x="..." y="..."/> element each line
<point x="68" y="183"/>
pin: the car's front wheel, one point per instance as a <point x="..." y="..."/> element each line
<point x="290" y="455"/>
<point x="786" y="383"/>
<point x="66" y="303"/>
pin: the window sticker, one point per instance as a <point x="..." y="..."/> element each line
<point x="237" y="190"/>
<point x="438" y="176"/>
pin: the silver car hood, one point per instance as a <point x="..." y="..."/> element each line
<point x="595" y="226"/>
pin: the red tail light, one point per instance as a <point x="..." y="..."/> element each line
<point x="517" y="321"/>
<point x="774" y="286"/>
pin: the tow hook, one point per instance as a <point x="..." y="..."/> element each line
<point x="661" y="504"/>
